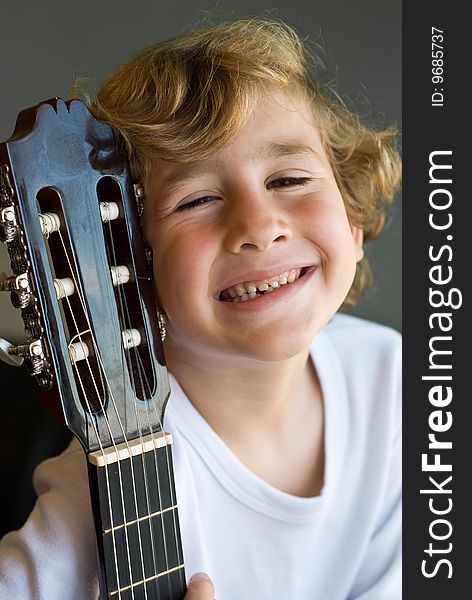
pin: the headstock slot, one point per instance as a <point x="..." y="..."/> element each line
<point x="127" y="296"/>
<point x="87" y="373"/>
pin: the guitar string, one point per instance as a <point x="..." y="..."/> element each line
<point x="173" y="502"/>
<point x="133" y="478"/>
<point x="92" y="417"/>
<point x="106" y="477"/>
<point x="146" y="483"/>
<point x="126" y="358"/>
<point x="138" y="525"/>
<point x="119" y="419"/>
<point x="125" y="319"/>
<point x="97" y="433"/>
<point x="142" y="371"/>
<point x="102" y="406"/>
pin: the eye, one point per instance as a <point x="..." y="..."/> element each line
<point x="282" y="182"/>
<point x="195" y="203"/>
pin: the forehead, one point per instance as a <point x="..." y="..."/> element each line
<point x="281" y="125"/>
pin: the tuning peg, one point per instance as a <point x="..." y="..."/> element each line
<point x="35" y="360"/>
<point x="19" y="287"/>
<point x="6" y="357"/>
<point x="33" y="352"/>
<point x="49" y="222"/>
<point x="8" y="224"/>
<point x="17" y="283"/>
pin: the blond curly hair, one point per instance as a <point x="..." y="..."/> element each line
<point x="185" y="98"/>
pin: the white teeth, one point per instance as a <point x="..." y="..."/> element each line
<point x="248" y="291"/>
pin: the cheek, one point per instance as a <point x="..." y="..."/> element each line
<point x="181" y="264"/>
<point x="325" y="223"/>
<point x="328" y="228"/>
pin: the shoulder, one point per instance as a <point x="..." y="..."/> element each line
<point x="358" y="340"/>
<point x="368" y="365"/>
<point x="343" y="324"/>
<point x="53" y="554"/>
<point x="63" y="472"/>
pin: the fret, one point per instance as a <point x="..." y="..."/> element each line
<point x="170" y="586"/>
<point x="153" y="482"/>
<point x="147" y="517"/>
<point x="137" y="524"/>
<point x="158" y="548"/>
<point x="149" y="580"/>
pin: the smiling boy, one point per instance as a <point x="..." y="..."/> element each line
<point x="260" y="190"/>
<point x="257" y="236"/>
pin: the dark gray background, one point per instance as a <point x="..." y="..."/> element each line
<point x="44" y="45"/>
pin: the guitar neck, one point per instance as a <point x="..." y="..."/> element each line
<point x="136" y="520"/>
<point x="81" y="278"/>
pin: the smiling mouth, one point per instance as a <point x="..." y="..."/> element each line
<point x="242" y="292"/>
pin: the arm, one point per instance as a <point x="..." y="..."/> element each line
<point x="53" y="555"/>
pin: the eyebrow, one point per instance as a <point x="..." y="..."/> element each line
<point x="279" y="150"/>
<point x="269" y="150"/>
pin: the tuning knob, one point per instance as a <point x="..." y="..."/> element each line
<point x="15" y="283"/>
<point x="33" y="357"/>
<point x="6" y="357"/>
<point x="8" y="224"/>
<point x="33" y="353"/>
<point x="19" y="286"/>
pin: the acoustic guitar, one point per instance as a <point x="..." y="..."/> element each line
<point x="69" y="215"/>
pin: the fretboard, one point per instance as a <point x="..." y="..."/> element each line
<point x="136" y="521"/>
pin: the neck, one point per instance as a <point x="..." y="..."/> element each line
<point x="270" y="414"/>
<point x="245" y="397"/>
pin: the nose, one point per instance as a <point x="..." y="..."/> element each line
<point x="255" y="222"/>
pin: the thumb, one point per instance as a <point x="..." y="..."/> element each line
<point x="200" y="587"/>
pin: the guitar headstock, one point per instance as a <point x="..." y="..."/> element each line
<point x="69" y="217"/>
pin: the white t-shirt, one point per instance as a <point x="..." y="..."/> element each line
<point x="255" y="541"/>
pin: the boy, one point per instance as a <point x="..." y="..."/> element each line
<point x="260" y="190"/>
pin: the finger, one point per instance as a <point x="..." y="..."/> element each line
<point x="200" y="587"/>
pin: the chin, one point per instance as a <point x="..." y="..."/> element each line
<point x="279" y="347"/>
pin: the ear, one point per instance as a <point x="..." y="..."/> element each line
<point x="358" y="238"/>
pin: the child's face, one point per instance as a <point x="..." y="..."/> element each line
<point x="265" y="208"/>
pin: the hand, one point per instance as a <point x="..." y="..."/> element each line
<point x="200" y="587"/>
